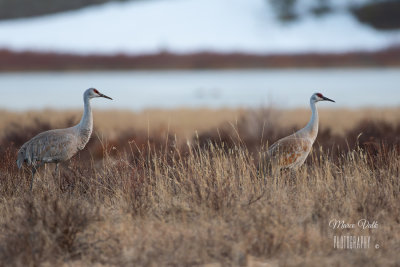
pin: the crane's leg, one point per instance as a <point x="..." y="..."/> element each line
<point x="33" y="176"/>
<point x="57" y="176"/>
<point x="34" y="170"/>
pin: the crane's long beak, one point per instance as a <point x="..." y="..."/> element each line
<point x="101" y="95"/>
<point x="327" y="99"/>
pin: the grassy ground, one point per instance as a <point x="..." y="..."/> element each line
<point x="205" y="200"/>
<point x="184" y="122"/>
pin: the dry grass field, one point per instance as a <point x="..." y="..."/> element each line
<point x="190" y="188"/>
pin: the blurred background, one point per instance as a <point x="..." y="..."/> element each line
<point x="181" y="66"/>
<point x="199" y="53"/>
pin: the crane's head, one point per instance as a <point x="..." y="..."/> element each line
<point x="319" y="97"/>
<point x="93" y="93"/>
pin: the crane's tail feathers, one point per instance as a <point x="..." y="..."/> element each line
<point x="20" y="159"/>
<point x="20" y="162"/>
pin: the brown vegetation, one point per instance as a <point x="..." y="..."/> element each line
<point x="34" y="61"/>
<point x="149" y="199"/>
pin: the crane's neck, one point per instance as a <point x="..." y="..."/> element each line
<point x="311" y="128"/>
<point x="85" y="126"/>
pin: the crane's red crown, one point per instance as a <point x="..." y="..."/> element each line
<point x="319" y="95"/>
<point x="95" y="90"/>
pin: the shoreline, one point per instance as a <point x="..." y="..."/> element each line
<point x="12" y="61"/>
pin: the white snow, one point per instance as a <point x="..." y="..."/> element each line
<point x="184" y="26"/>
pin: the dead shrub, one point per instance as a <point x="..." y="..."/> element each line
<point x="45" y="228"/>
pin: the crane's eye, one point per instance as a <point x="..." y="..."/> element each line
<point x="319" y="95"/>
<point x="95" y="90"/>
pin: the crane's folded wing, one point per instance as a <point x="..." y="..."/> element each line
<point x="50" y="146"/>
<point x="289" y="150"/>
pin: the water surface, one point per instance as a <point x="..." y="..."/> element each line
<point x="138" y="90"/>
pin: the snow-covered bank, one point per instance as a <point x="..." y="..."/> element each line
<point x="184" y="26"/>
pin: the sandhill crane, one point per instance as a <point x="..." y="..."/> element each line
<point x="59" y="145"/>
<point x="290" y="152"/>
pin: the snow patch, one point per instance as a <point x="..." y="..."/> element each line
<point x="184" y="26"/>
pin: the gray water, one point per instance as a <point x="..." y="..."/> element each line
<point x="138" y="90"/>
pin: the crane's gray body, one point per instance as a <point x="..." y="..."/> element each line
<point x="290" y="152"/>
<point x="53" y="146"/>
